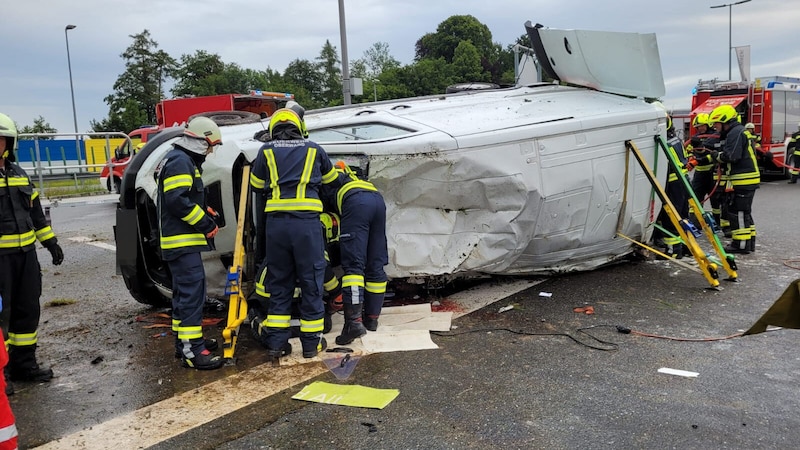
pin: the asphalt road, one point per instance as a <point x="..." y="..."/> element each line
<point x="537" y="376"/>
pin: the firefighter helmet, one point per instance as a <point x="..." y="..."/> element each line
<point x="8" y="130"/>
<point x="723" y="114"/>
<point x="750" y="126"/>
<point x="700" y="119"/>
<point x="287" y="119"/>
<point x="204" y="128"/>
<point x="301" y="112"/>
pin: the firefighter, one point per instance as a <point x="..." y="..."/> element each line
<point x="739" y="160"/>
<point x="706" y="178"/>
<point x="186" y="230"/>
<point x="676" y="193"/>
<point x="290" y="169"/>
<point x="258" y="301"/>
<point x="793" y="151"/>
<point x="22" y="223"/>
<point x="363" y="248"/>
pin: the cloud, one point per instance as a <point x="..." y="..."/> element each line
<point x="692" y="38"/>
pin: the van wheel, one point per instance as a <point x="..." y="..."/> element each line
<point x="229" y="117"/>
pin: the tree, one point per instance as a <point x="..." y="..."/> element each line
<point x="450" y="33"/>
<point x="39" y="126"/>
<point x="375" y="61"/>
<point x="196" y="74"/>
<point x="467" y="63"/>
<point x="304" y="80"/>
<point x="328" y="65"/>
<point x="146" y="68"/>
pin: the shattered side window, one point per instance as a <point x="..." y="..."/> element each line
<point x="360" y="132"/>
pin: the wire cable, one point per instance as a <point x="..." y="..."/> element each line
<point x="612" y="346"/>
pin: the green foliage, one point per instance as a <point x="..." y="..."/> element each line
<point x="461" y="50"/>
<point x="39" y="126"/>
<point x="328" y="64"/>
<point x="146" y="68"/>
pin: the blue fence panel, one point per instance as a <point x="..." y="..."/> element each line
<point x="50" y="150"/>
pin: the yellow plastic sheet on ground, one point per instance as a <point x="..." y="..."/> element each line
<point x="347" y="395"/>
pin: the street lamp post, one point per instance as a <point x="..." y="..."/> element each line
<point x="345" y="67"/>
<point x="730" y="20"/>
<point x="72" y="93"/>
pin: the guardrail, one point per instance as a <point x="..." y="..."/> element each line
<point x="66" y="164"/>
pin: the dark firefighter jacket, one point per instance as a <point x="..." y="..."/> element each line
<point x="739" y="159"/>
<point x="347" y="183"/>
<point x="290" y="173"/>
<point x="181" y="204"/>
<point x="22" y="220"/>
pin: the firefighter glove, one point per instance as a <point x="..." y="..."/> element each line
<point x="696" y="142"/>
<point x="213" y="232"/>
<point x="56" y="253"/>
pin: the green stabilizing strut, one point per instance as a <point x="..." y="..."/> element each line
<point x="704" y="218"/>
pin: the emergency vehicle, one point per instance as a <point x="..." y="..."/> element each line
<point x="229" y="109"/>
<point x="772" y="104"/>
<point x="524" y="180"/>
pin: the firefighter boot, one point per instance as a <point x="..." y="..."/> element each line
<point x="752" y="243"/>
<point x="200" y="358"/>
<point x="353" y="326"/>
<point x="22" y="365"/>
<point x="371" y="321"/>
<point x="314" y="345"/>
<point x="211" y="344"/>
<point x="740" y="247"/>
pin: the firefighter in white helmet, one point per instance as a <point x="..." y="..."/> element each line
<point x="185" y="231"/>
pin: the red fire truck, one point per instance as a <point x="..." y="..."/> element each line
<point x="772" y="104"/>
<point x="176" y="111"/>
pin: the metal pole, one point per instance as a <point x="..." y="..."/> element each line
<point x="730" y="42"/>
<point x="345" y="68"/>
<point x="72" y="93"/>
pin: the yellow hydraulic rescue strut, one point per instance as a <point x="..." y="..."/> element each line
<point x="237" y="307"/>
<point x="683" y="226"/>
<point x="704" y="218"/>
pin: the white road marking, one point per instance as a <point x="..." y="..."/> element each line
<point x="90" y="241"/>
<point x="183" y="412"/>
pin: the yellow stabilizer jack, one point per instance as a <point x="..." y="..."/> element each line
<point x="237" y="307"/>
<point x="728" y="262"/>
<point x="707" y="267"/>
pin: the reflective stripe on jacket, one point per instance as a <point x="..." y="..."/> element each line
<point x="290" y="173"/>
<point x="22" y="220"/>
<point x="181" y="201"/>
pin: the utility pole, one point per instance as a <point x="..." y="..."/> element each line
<point x="345" y="68"/>
<point x="72" y="93"/>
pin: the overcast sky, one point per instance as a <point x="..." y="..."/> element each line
<point x="256" y="34"/>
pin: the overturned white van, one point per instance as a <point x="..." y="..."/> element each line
<point x="510" y="181"/>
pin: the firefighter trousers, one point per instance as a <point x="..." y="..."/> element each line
<point x="364" y="251"/>
<point x="740" y="214"/>
<point x="188" y="298"/>
<point x="21" y="287"/>
<point x="295" y="258"/>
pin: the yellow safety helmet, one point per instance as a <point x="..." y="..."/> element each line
<point x="284" y="117"/>
<point x="8" y="130"/>
<point x="700" y="119"/>
<point x="330" y="222"/>
<point x="723" y="114"/>
<point x="204" y="128"/>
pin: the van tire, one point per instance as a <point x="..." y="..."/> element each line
<point x="223" y="118"/>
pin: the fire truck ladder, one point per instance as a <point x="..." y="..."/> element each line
<point x="685" y="229"/>
<point x="702" y="217"/>
<point x="756" y="101"/>
<point x="237" y="308"/>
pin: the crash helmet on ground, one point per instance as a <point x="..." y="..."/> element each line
<point x="750" y="126"/>
<point x="204" y="128"/>
<point x="8" y="130"/>
<point x="700" y="119"/>
<point x="723" y="114"/>
<point x="285" y="123"/>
